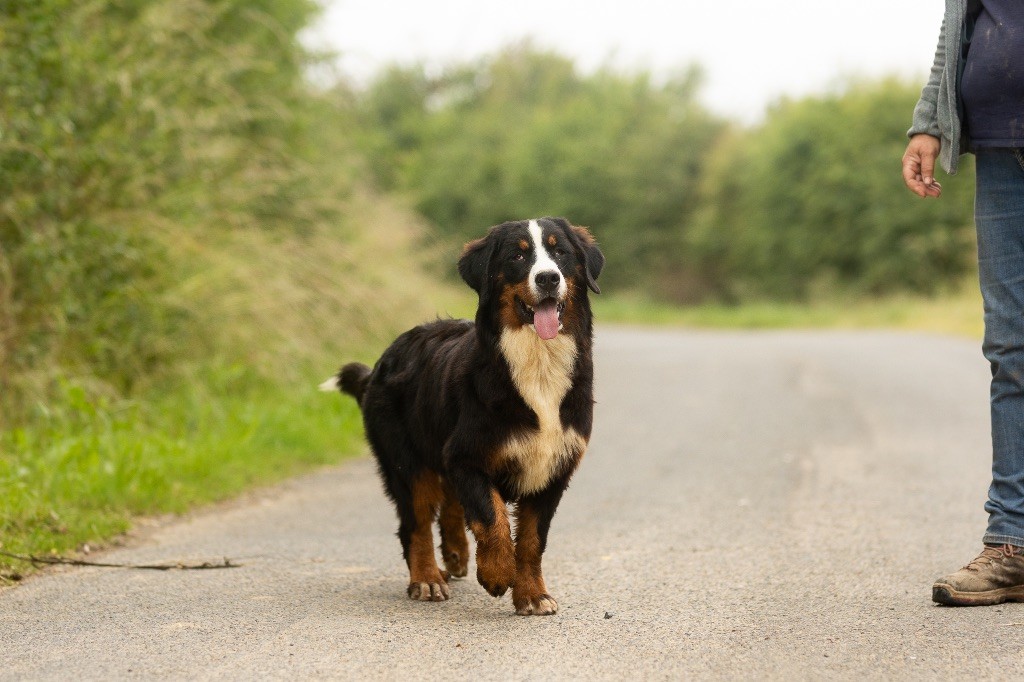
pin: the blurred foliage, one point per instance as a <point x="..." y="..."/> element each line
<point x="524" y="135"/>
<point x="809" y="203"/>
<point x="171" y="186"/>
<point x="141" y="139"/>
<point x="129" y="127"/>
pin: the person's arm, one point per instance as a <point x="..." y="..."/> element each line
<point x="925" y="139"/>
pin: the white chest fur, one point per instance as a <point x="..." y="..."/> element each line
<point x="542" y="373"/>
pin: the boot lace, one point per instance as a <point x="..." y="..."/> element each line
<point x="990" y="554"/>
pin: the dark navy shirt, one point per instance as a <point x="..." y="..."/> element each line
<point x="992" y="89"/>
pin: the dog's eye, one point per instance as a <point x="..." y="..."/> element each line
<point x="518" y="257"/>
<point x="559" y="253"/>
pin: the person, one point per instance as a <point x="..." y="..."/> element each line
<point x="974" y="101"/>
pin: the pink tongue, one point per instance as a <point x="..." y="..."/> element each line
<point x="545" y="319"/>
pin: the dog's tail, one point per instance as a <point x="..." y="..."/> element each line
<point x="352" y="379"/>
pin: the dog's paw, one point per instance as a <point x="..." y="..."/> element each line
<point x="438" y="591"/>
<point x="541" y="605"/>
<point x="495" y="568"/>
<point x="456" y="563"/>
<point x="496" y="587"/>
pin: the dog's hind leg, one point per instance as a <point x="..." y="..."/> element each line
<point x="416" y="492"/>
<point x="426" y="582"/>
<point x="454" y="544"/>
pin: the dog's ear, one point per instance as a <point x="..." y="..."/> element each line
<point x="473" y="265"/>
<point x="586" y="251"/>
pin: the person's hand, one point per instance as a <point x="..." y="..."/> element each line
<point x="919" y="165"/>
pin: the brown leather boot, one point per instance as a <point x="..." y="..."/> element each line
<point x="996" y="575"/>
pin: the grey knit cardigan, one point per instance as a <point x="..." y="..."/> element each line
<point x="938" y="111"/>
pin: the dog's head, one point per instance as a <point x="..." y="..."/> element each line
<point x="534" y="272"/>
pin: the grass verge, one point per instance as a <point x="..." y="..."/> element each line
<point x="80" y="475"/>
<point x="958" y="313"/>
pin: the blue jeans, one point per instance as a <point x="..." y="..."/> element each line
<point x="999" y="216"/>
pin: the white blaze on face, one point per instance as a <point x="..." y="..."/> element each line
<point x="543" y="263"/>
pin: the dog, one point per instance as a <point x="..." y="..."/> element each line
<point x="465" y="417"/>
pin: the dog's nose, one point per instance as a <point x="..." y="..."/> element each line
<point x="548" y="281"/>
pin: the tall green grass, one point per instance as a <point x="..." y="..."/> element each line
<point x="80" y="473"/>
<point x="129" y="128"/>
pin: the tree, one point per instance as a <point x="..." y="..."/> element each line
<point x="524" y="135"/>
<point x="812" y="201"/>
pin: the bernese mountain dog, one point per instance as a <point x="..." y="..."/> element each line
<point x="466" y="417"/>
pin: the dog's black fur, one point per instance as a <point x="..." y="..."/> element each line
<point x="464" y="417"/>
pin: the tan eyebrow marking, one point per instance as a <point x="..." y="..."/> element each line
<point x="552" y="240"/>
<point x="524" y="245"/>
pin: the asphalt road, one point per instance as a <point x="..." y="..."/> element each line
<point x="753" y="505"/>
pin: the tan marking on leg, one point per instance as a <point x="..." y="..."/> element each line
<point x="495" y="554"/>
<point x="454" y="544"/>
<point x="426" y="583"/>
<point x="529" y="594"/>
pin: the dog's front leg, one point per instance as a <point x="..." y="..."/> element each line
<point x="487" y="517"/>
<point x="533" y="519"/>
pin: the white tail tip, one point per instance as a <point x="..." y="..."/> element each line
<point x="332" y="384"/>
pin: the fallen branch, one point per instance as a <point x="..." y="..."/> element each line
<point x="65" y="561"/>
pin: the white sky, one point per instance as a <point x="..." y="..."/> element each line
<point x="753" y="51"/>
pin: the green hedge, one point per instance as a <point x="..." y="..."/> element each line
<point x="807" y="203"/>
